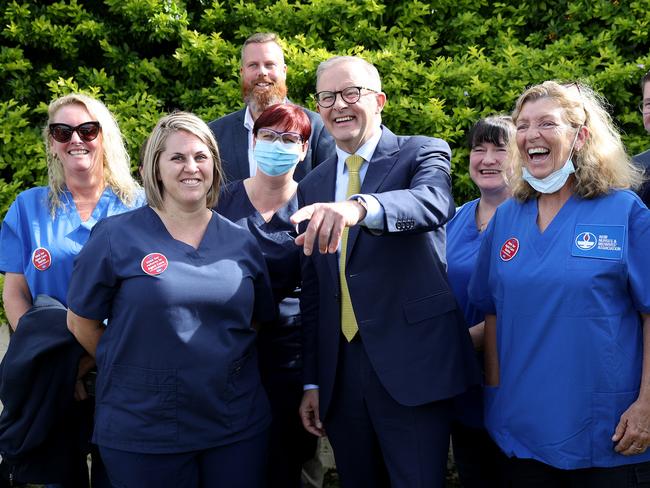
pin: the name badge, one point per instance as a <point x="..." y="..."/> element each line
<point x="599" y="241"/>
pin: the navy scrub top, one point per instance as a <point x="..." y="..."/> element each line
<point x="569" y="332"/>
<point x="280" y="341"/>
<point x="177" y="367"/>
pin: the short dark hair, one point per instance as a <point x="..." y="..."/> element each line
<point x="288" y="116"/>
<point x="497" y="130"/>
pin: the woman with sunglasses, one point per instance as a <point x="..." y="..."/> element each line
<point x="263" y="204"/>
<point x="562" y="276"/>
<point x="478" y="460"/>
<point x="46" y="227"/>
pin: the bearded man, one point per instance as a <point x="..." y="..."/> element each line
<point x="263" y="83"/>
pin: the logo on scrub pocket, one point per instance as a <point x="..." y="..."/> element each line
<point x="585" y="241"/>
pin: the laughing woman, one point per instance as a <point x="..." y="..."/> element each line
<point x="562" y="277"/>
<point x="179" y="398"/>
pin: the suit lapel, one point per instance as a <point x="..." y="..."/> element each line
<point x="241" y="149"/>
<point x="383" y="160"/>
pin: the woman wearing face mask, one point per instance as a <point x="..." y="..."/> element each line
<point x="478" y="459"/>
<point x="562" y="277"/>
<point x="263" y="204"/>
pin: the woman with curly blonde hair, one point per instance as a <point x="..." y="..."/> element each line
<point x="46" y="227"/>
<point x="562" y="277"/>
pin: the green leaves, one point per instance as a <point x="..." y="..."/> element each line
<point x="443" y="64"/>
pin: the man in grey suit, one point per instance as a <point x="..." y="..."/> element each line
<point x="263" y="83"/>
<point x="643" y="159"/>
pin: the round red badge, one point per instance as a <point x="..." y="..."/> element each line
<point x="41" y="259"/>
<point x="509" y="249"/>
<point x="154" y="263"/>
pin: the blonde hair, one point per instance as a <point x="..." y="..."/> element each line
<point x="602" y="163"/>
<point x="115" y="159"/>
<point x="169" y="124"/>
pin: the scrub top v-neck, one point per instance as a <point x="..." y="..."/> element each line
<point x="177" y="362"/>
<point x="42" y="247"/>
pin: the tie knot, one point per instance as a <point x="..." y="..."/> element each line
<point x="353" y="163"/>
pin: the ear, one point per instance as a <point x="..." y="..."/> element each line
<point x="381" y="101"/>
<point x="581" y="140"/>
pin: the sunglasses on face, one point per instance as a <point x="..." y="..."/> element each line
<point x="88" y="131"/>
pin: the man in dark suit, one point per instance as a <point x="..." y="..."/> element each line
<point x="643" y="159"/>
<point x="263" y="83"/>
<point x="386" y="346"/>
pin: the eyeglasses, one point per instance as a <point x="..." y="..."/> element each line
<point x="644" y="106"/>
<point x="350" y="95"/>
<point x="88" y="131"/>
<point x="270" y="135"/>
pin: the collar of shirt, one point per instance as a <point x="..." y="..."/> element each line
<point x="249" y="123"/>
<point x="366" y="152"/>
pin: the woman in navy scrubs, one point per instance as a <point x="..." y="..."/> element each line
<point x="89" y="179"/>
<point x="562" y="276"/>
<point x="263" y="205"/>
<point x="478" y="459"/>
<point x="179" y="397"/>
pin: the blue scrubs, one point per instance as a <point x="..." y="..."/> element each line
<point x="43" y="248"/>
<point x="177" y="366"/>
<point x="280" y="342"/>
<point x="569" y="333"/>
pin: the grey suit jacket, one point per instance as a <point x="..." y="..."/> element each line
<point x="232" y="138"/>
<point x="643" y="161"/>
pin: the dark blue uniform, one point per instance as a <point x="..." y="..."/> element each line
<point x="280" y="342"/>
<point x="177" y="366"/>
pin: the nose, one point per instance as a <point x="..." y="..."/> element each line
<point x="339" y="103"/>
<point x="191" y="166"/>
<point x="75" y="137"/>
<point x="490" y="157"/>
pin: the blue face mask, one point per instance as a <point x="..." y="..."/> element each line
<point x="552" y="182"/>
<point x="556" y="179"/>
<point x="276" y="158"/>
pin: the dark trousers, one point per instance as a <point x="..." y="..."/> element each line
<point x="528" y="473"/>
<point x="378" y="442"/>
<point x="480" y="462"/>
<point x="238" y="465"/>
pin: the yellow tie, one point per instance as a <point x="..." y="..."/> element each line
<point x="349" y="325"/>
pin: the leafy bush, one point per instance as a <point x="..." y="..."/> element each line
<point x="444" y="64"/>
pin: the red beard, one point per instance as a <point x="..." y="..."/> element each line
<point x="260" y="99"/>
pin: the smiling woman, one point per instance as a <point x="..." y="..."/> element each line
<point x="46" y="227"/>
<point x="562" y="278"/>
<point x="178" y="388"/>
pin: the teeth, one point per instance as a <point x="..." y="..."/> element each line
<point x="76" y="152"/>
<point x="190" y="181"/>
<point x="537" y="150"/>
<point x="490" y="171"/>
<point x="343" y="119"/>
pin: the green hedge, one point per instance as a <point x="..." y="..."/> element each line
<point x="444" y="64"/>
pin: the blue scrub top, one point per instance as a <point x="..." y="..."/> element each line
<point x="280" y="341"/>
<point x="569" y="333"/>
<point x="463" y="243"/>
<point x="177" y="367"/>
<point x="31" y="238"/>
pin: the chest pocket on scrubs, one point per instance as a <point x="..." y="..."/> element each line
<point x="143" y="404"/>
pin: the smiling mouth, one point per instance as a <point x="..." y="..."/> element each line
<point x="340" y="120"/>
<point x="78" y="152"/>
<point x="490" y="171"/>
<point x="191" y="181"/>
<point x="538" y="153"/>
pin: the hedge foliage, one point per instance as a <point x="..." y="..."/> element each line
<point x="444" y="63"/>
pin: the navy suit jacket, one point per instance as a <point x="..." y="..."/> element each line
<point x="411" y="327"/>
<point x="232" y="138"/>
<point x="643" y="161"/>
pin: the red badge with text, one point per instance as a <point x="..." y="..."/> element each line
<point x="154" y="263"/>
<point x="41" y="259"/>
<point x="509" y="249"/>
